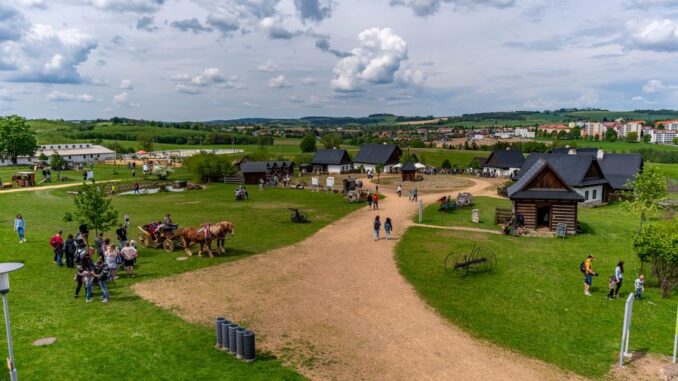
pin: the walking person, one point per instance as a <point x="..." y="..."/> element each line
<point x="388" y="227"/>
<point x="69" y="251"/>
<point x="369" y="200"/>
<point x="137" y="188"/>
<point x="639" y="285"/>
<point x="261" y="184"/>
<point x="57" y="244"/>
<point x="121" y="233"/>
<point x="375" y="201"/>
<point x="20" y="227"/>
<point x="400" y="190"/>
<point x="126" y="219"/>
<point x="102" y="273"/>
<point x="611" y="286"/>
<point x="588" y="274"/>
<point x="414" y="194"/>
<point x="619" y="277"/>
<point x="377" y="227"/>
<point x="88" y="282"/>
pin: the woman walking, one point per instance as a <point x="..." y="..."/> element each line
<point x="377" y="226"/>
<point x="20" y="227"/>
<point x="388" y="226"/>
<point x="619" y="277"/>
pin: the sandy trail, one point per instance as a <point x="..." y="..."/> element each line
<point x="48" y="187"/>
<point x="336" y="308"/>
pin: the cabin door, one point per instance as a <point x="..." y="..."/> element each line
<point x="544" y="216"/>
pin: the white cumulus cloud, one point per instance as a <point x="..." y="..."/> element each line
<point x="656" y="35"/>
<point x="192" y="84"/>
<point x="381" y="58"/>
<point x="58" y="96"/>
<point x="278" y="82"/>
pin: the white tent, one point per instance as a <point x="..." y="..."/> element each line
<point x="397" y="166"/>
<point x="419" y="165"/>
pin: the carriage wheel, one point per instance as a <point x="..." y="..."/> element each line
<point x="144" y="241"/>
<point x="168" y="245"/>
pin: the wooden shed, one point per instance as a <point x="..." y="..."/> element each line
<point x="409" y="171"/>
<point x="544" y="199"/>
<point x="252" y="171"/>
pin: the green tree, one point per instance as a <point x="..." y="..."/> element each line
<point x="675" y="141"/>
<point x="646" y="138"/>
<point x="58" y="163"/>
<point x="331" y="140"/>
<point x="208" y="167"/>
<point x="93" y="208"/>
<point x="379" y="169"/>
<point x="632" y="137"/>
<point x="307" y="143"/>
<point x="146" y="142"/>
<point x="611" y="135"/>
<point x="416" y="143"/>
<point x="16" y="138"/>
<point x="446" y="164"/>
<point x="260" y="154"/>
<point x="660" y="126"/>
<point x="657" y="244"/>
<point x="646" y="191"/>
<point x="43" y="158"/>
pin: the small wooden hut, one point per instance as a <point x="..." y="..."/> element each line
<point x="409" y="171"/>
<point x="545" y="199"/>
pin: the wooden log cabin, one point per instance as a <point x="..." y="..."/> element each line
<point x="545" y="199"/>
<point x="409" y="172"/>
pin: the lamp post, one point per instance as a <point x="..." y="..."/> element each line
<point x="5" y="269"/>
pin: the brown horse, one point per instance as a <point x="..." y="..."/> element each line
<point x="205" y="235"/>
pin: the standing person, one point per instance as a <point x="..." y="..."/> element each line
<point x="88" y="281"/>
<point x="112" y="259"/>
<point x="20" y="227"/>
<point x="128" y="255"/>
<point x="57" y="244"/>
<point x="84" y="265"/>
<point x="121" y="233"/>
<point x="83" y="233"/>
<point x="126" y="218"/>
<point x="69" y="251"/>
<point x="136" y="188"/>
<point x="261" y="184"/>
<point x="388" y="226"/>
<point x="619" y="277"/>
<point x="369" y="200"/>
<point x="611" y="286"/>
<point x="400" y="190"/>
<point x="375" y="201"/>
<point x="99" y="244"/>
<point x="639" y="286"/>
<point x="377" y="226"/>
<point x="414" y="195"/>
<point x="588" y="274"/>
<point x="102" y="273"/>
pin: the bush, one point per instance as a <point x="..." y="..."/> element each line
<point x="207" y="167"/>
<point x="657" y="244"/>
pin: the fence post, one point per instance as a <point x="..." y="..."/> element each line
<point x="421" y="210"/>
<point x="626" y="328"/>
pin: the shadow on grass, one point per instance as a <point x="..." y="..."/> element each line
<point x="586" y="228"/>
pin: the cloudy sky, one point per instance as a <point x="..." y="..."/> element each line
<point x="218" y="59"/>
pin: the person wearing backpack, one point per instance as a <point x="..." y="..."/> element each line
<point x="377" y="226"/>
<point x="102" y="273"/>
<point x="388" y="226"/>
<point x="586" y="267"/>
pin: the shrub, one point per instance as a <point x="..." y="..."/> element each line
<point x="207" y="167"/>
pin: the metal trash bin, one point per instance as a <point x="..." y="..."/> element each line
<point x="240" y="342"/>
<point x="224" y="334"/>
<point x="249" y="346"/>
<point x="231" y="337"/>
<point x="220" y="342"/>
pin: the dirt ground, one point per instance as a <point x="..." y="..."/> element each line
<point x="336" y="308"/>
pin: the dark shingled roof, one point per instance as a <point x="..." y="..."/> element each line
<point x="375" y="153"/>
<point x="505" y="159"/>
<point x="619" y="168"/>
<point x="331" y="157"/>
<point x="262" y="166"/>
<point x="408" y="167"/>
<point x="518" y="191"/>
<point x="572" y="168"/>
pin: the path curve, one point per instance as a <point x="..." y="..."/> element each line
<point x="336" y="308"/>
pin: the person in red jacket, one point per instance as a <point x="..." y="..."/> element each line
<point x="57" y="244"/>
<point x="375" y="201"/>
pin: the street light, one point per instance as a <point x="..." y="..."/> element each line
<point x="5" y="269"/>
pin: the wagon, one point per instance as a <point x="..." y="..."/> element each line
<point x="167" y="238"/>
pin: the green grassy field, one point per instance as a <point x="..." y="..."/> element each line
<point x="462" y="217"/>
<point x="435" y="157"/>
<point x="534" y="301"/>
<point x="130" y="338"/>
<point x="617" y="147"/>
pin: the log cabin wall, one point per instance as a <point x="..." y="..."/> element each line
<point x="529" y="211"/>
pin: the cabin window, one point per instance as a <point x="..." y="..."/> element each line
<point x="595" y="194"/>
<point x="586" y="195"/>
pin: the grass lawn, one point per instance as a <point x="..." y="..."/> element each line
<point x="435" y="156"/>
<point x="534" y="301"/>
<point x="462" y="217"/>
<point x="130" y="338"/>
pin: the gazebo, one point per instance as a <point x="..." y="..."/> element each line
<point x="409" y="171"/>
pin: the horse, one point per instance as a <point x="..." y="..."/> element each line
<point x="205" y="235"/>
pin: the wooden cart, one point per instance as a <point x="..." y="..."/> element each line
<point x="166" y="238"/>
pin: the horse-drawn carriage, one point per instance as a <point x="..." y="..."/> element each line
<point x="155" y="237"/>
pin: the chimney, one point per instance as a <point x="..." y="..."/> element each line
<point x="600" y="154"/>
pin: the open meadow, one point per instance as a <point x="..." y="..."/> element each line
<point x="129" y="338"/>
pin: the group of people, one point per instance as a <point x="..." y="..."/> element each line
<point x="373" y="200"/>
<point x="615" y="281"/>
<point x="388" y="228"/>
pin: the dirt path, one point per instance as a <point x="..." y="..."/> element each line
<point x="459" y="228"/>
<point x="335" y="307"/>
<point x="48" y="187"/>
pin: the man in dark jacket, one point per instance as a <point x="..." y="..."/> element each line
<point x="69" y="250"/>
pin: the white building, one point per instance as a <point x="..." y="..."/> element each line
<point x="71" y="152"/>
<point x="663" y="136"/>
<point x="524" y="133"/>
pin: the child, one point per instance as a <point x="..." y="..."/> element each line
<point x="640" y="287"/>
<point x="388" y="226"/>
<point x="87" y="280"/>
<point x="612" y="286"/>
<point x="377" y="226"/>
